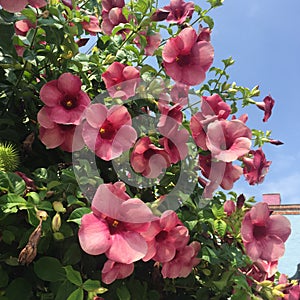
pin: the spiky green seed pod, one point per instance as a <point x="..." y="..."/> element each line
<point x="9" y="157"/>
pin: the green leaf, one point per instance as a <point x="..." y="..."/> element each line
<point x="209" y="21"/>
<point x="218" y="211"/>
<point x="72" y="255"/>
<point x="93" y="286"/>
<point x="123" y="293"/>
<point x="49" y="269"/>
<point x="77" y="214"/>
<point x="76" y="295"/>
<point x="12" y="182"/>
<point x="3" y="278"/>
<point x="19" y="289"/>
<point x="73" y="275"/>
<point x="220" y="227"/>
<point x="222" y="283"/>
<point x="29" y="14"/>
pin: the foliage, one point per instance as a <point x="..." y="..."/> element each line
<point x="46" y="190"/>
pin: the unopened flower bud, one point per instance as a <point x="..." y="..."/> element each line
<point x="58" y="207"/>
<point x="56" y="222"/>
<point x="240" y="201"/>
<point x="275" y="142"/>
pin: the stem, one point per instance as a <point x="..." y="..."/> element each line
<point x="26" y="62"/>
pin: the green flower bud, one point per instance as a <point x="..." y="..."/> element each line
<point x="58" y="207"/>
<point x="56" y="222"/>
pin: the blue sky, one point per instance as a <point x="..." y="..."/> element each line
<point x="264" y="39"/>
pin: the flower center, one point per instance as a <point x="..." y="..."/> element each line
<point x="183" y="60"/>
<point x="69" y="103"/>
<point x="259" y="232"/>
<point x="148" y="153"/>
<point x="114" y="225"/>
<point x="161" y="236"/>
<point x="107" y="131"/>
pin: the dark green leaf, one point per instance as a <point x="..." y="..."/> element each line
<point x="49" y="269"/>
<point x="76" y="295"/>
<point x="77" y="214"/>
<point x="73" y="275"/>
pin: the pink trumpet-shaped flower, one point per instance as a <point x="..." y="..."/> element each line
<point x="185" y="59"/>
<point x="228" y="140"/>
<point x="266" y="106"/>
<point x="183" y="263"/>
<point x="108" y="132"/>
<point x="179" y="11"/>
<point x="256" y="167"/>
<point x="115" y="224"/>
<point x="148" y="159"/>
<point x="92" y="26"/>
<point x="164" y="237"/>
<point x="121" y="80"/>
<point x="114" y="270"/>
<point x="17" y="5"/>
<point x="53" y="135"/>
<point x="263" y="234"/>
<point x="64" y="99"/>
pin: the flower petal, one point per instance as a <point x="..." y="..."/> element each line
<point x="127" y="247"/>
<point x="69" y="84"/>
<point x="94" y="236"/>
<point x="50" y="94"/>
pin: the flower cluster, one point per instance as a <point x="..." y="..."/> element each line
<point x="126" y="230"/>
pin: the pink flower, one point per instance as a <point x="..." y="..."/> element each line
<point x="256" y="167"/>
<point x="53" y="135"/>
<point x="114" y="270"/>
<point x="153" y="40"/>
<point x="175" y="144"/>
<point x="228" y="140"/>
<point x="160" y="15"/>
<point x="266" y="106"/>
<point x="179" y="11"/>
<point x="263" y="234"/>
<point x="112" y="15"/>
<point x="92" y="27"/>
<point x="183" y="263"/>
<point x="204" y="34"/>
<point x="17" y="5"/>
<point x="115" y="225"/>
<point x="108" y="132"/>
<point x="164" y="237"/>
<point x="229" y="207"/>
<point x="121" y="80"/>
<point x="148" y="159"/>
<point x="64" y="99"/>
<point x="170" y="118"/>
<point x="179" y="94"/>
<point x="23" y="26"/>
<point x="219" y="173"/>
<point x="214" y="106"/>
<point x="185" y="59"/>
